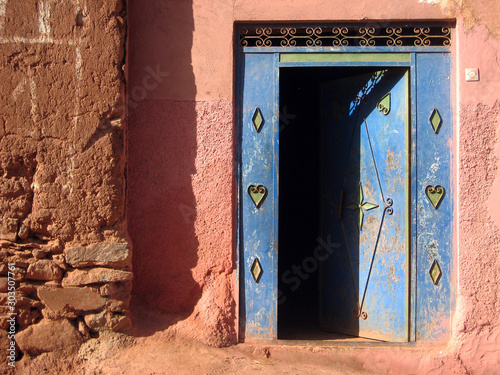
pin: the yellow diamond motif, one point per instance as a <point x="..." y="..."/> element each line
<point x="257" y="120"/>
<point x="256" y="270"/>
<point x="436" y="120"/>
<point x="435" y="272"/>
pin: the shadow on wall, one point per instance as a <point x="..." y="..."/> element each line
<point x="161" y="161"/>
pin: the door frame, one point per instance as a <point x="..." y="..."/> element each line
<point x="429" y="302"/>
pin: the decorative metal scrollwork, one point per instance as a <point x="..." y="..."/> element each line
<point x="257" y="119"/>
<point x="436" y="120"/>
<point x="256" y="270"/>
<point x="360" y="314"/>
<point x="361" y="206"/>
<point x="388" y="208"/>
<point x="435" y="194"/>
<point x="384" y="104"/>
<point x="355" y="36"/>
<point x="258" y="194"/>
<point x="435" y="272"/>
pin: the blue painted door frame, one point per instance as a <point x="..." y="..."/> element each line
<point x="429" y="193"/>
<point x="258" y="222"/>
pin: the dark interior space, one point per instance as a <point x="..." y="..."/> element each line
<point x="299" y="203"/>
<point x="299" y="197"/>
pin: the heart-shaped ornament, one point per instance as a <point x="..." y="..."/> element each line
<point x="435" y="194"/>
<point x="258" y="193"/>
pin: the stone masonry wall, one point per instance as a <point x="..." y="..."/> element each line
<point x="62" y="165"/>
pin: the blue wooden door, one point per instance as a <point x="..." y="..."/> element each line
<point x="364" y="283"/>
<point x="386" y="199"/>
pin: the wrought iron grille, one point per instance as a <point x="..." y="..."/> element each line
<point x="338" y="36"/>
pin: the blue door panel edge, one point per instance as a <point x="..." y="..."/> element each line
<point x="434" y="225"/>
<point x="258" y="223"/>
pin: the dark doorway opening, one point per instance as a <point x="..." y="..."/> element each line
<point x="299" y="198"/>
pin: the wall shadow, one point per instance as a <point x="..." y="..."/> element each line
<point x="161" y="146"/>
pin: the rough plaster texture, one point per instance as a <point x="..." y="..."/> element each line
<point x="477" y="327"/>
<point x="188" y="118"/>
<point x="181" y="225"/>
<point x="56" y="112"/>
<point x="62" y="158"/>
<point x="202" y="37"/>
<point x="62" y="161"/>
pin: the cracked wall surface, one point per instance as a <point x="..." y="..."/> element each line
<point x="62" y="161"/>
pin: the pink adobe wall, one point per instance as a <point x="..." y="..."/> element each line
<point x="181" y="199"/>
<point x="180" y="180"/>
<point x="476" y="327"/>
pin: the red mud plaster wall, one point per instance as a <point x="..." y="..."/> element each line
<point x="477" y="318"/>
<point x="181" y="196"/>
<point x="62" y="171"/>
<point x="181" y="164"/>
<point x="180" y="167"/>
<point x="478" y="304"/>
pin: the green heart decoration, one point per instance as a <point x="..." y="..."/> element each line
<point x="435" y="194"/>
<point x="384" y="105"/>
<point x="258" y="193"/>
